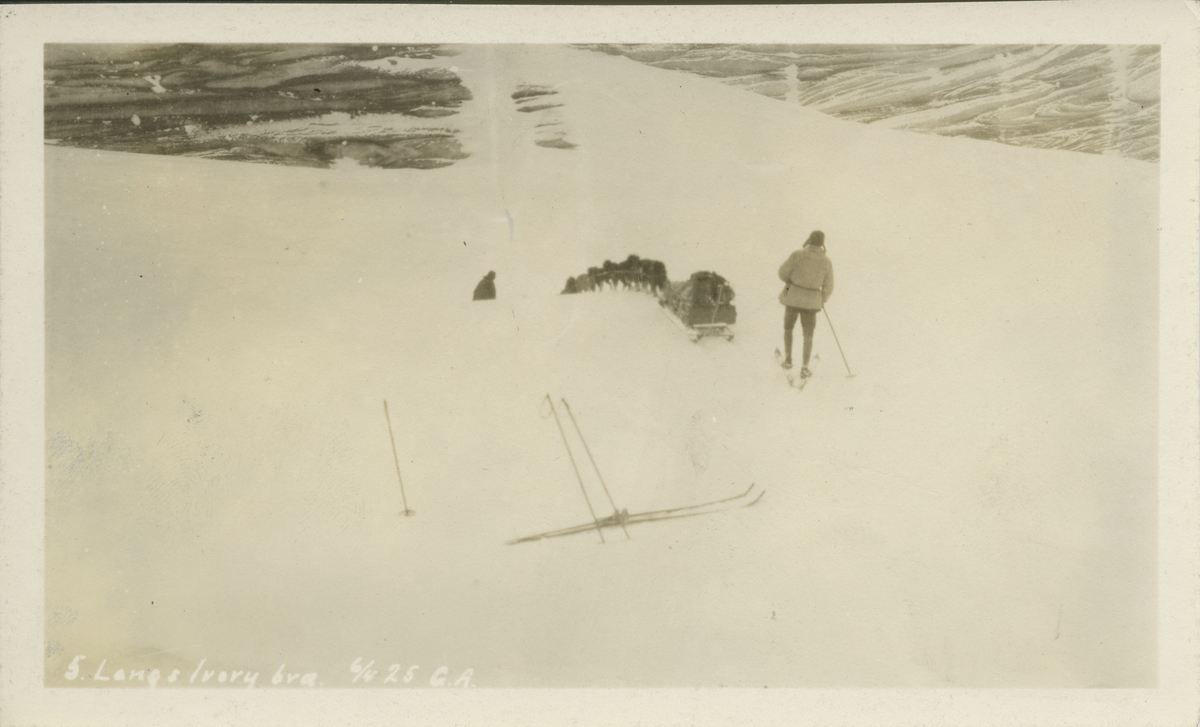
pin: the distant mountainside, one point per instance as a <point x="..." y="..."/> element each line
<point x="391" y="105"/>
<point x="1095" y="99"/>
<point x="311" y="105"/>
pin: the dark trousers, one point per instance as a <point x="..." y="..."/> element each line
<point x="808" y="324"/>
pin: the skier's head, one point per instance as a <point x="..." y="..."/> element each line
<point x="491" y="275"/>
<point x="816" y="239"/>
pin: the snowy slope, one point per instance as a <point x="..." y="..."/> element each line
<point x="220" y="338"/>
<point x="1091" y="98"/>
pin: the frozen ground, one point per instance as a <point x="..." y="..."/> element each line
<point x="975" y="508"/>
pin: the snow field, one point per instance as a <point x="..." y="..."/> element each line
<point x="221" y="337"/>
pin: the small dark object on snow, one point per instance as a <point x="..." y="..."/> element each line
<point x="486" y="290"/>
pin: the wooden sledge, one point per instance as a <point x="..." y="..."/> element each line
<point x="699" y="330"/>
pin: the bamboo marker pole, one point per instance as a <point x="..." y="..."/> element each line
<point x="396" y="459"/>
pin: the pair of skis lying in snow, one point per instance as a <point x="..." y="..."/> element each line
<point x="624" y="517"/>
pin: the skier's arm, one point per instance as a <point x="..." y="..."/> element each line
<point x="785" y="270"/>
<point x="827" y="286"/>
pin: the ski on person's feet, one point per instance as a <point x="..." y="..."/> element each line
<point x="798" y="379"/>
<point x="806" y="373"/>
<point x="786" y="366"/>
<point x="624" y="517"/>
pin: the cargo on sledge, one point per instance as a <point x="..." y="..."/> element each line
<point x="702" y="305"/>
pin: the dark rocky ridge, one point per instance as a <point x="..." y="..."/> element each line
<point x="180" y="99"/>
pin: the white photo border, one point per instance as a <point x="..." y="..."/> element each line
<point x="1171" y="24"/>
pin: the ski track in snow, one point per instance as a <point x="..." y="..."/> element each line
<point x="220" y="338"/>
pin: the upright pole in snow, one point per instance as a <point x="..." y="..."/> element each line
<point x="593" y="461"/>
<point x="839" y="344"/>
<point x="587" y="499"/>
<point x="396" y="458"/>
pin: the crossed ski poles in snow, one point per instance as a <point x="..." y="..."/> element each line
<point x="624" y="517"/>
<point x="618" y="517"/>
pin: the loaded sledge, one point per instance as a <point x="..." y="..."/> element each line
<point x="701" y="306"/>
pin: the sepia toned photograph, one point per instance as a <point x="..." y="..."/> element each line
<point x="431" y="367"/>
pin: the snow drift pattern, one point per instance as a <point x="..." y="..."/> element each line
<point x="1095" y="99"/>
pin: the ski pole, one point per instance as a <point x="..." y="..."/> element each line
<point x="849" y="375"/>
<point x="586" y="448"/>
<point x="396" y="458"/>
<point x="586" y="499"/>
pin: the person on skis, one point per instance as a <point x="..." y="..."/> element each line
<point x="809" y="277"/>
<point x="486" y="290"/>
